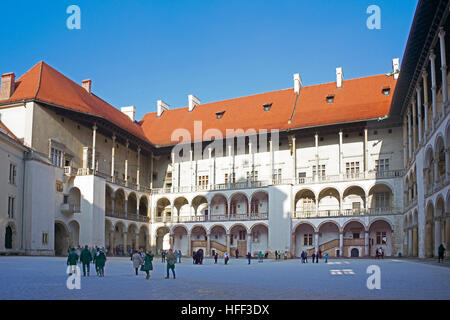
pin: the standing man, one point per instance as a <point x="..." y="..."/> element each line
<point x="441" y="251"/>
<point x="163" y="256"/>
<point x="170" y="263"/>
<point x="326" y="257"/>
<point x="249" y="257"/>
<point x="100" y="261"/>
<point x="86" y="259"/>
<point x="72" y="261"/>
<point x="317" y="257"/>
<point x="237" y="253"/>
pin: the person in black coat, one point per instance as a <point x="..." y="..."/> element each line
<point x="249" y="257"/>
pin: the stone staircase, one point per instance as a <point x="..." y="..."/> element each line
<point x="327" y="247"/>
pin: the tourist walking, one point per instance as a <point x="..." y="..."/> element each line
<point x="86" y="259"/>
<point x="313" y="257"/>
<point x="237" y="253"/>
<point x="148" y="265"/>
<point x="317" y="257"/>
<point x="285" y="255"/>
<point x="72" y="261"/>
<point x="137" y="261"/>
<point x="100" y="260"/>
<point x="216" y="255"/>
<point x="325" y="256"/>
<point x="171" y="260"/>
<point x="302" y="256"/>
<point x="260" y="256"/>
<point x="249" y="257"/>
<point x="163" y="256"/>
<point x="225" y="257"/>
<point x="441" y="251"/>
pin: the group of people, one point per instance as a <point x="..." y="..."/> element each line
<point x="97" y="256"/>
<point x="197" y="256"/>
<point x="379" y="253"/>
<point x="144" y="261"/>
<point x="315" y="257"/>
<point x="278" y="255"/>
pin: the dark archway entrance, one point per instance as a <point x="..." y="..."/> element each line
<point x="8" y="238"/>
<point x="354" y="253"/>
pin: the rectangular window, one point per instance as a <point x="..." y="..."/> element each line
<point x="352" y="168"/>
<point x="356" y="236"/>
<point x="44" y="238"/>
<point x="382" y="165"/>
<point x="56" y="157"/>
<point x="321" y="170"/>
<point x="12" y="173"/>
<point x="381" y="238"/>
<point x="203" y="180"/>
<point x="59" y="186"/>
<point x="382" y="200"/>
<point x="308" y="239"/>
<point x="276" y="175"/>
<point x="252" y="175"/>
<point x="11" y="204"/>
<point x="226" y="177"/>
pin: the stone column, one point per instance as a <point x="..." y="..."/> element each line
<point x="111" y="241"/>
<point x="409" y="137"/>
<point x="94" y="136"/>
<point x="419" y="113"/>
<point x="366" y="152"/>
<point x="410" y="242"/>
<point x="138" y="171"/>
<point x="316" y="142"/>
<point x="230" y="166"/>
<point x="443" y="69"/>
<point x="414" y="124"/>
<point x="112" y="204"/>
<point x="425" y="102"/>
<point x="127" y="144"/>
<point x="366" y="244"/>
<point x="433" y="89"/>
<point x="113" y="152"/>
<point x="228" y="243"/>
<point x="151" y="171"/>
<point x="137" y="241"/>
<point x="251" y="173"/>
<point x="171" y="241"/>
<point x="437" y="236"/>
<point x="189" y="245"/>
<point x="316" y="242"/>
<point x="208" y="244"/>
<point x="125" y="206"/>
<point x="271" y="158"/>
<point x="125" y="242"/>
<point x="294" y="160"/>
<point x="341" y="243"/>
<point x="293" y="245"/>
<point x="415" y="241"/>
<point x="405" y="143"/>
<point x="249" y="242"/>
<point x="341" y="168"/>
<point x="211" y="169"/>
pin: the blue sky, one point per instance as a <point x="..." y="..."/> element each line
<point x="137" y="52"/>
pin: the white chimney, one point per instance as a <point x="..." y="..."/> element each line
<point x="396" y="67"/>
<point x="339" y="77"/>
<point x="193" y="102"/>
<point x="86" y="84"/>
<point x="297" y="83"/>
<point x="130" y="111"/>
<point x="161" y="107"/>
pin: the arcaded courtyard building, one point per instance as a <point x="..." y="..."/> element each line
<point x="343" y="167"/>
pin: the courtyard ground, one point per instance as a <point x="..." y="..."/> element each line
<point x="45" y="278"/>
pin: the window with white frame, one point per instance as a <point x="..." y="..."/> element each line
<point x="11" y="204"/>
<point x="382" y="165"/>
<point x="277" y="175"/>
<point x="352" y="168"/>
<point x="12" y="173"/>
<point x="321" y="170"/>
<point x="381" y="238"/>
<point x="308" y="239"/>
<point x="56" y="156"/>
<point x="382" y="200"/>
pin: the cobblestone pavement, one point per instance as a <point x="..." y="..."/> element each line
<point x="45" y="278"/>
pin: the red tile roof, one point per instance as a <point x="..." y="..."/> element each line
<point x="357" y="100"/>
<point x="44" y="83"/>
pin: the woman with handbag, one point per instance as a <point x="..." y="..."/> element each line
<point x="148" y="265"/>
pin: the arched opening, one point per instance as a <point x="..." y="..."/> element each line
<point x="200" y="206"/>
<point x="163" y="210"/>
<point x="415" y="234"/>
<point x="354" y="234"/>
<point x="61" y="239"/>
<point x="218" y="240"/>
<point x="329" y="238"/>
<point x="132" y="238"/>
<point x="260" y="239"/>
<point x="259" y="205"/>
<point x="354" y="201"/>
<point x="119" y="202"/>
<point x="429" y="170"/>
<point x="354" y="253"/>
<point x="304" y="238"/>
<point x="109" y="237"/>
<point x="429" y="230"/>
<point x="380" y="199"/>
<point x="440" y="158"/>
<point x="219" y="207"/>
<point x="109" y="195"/>
<point x="380" y="236"/>
<point x="119" y="239"/>
<point x="447" y="143"/>
<point x="74" y="229"/>
<point x="180" y="240"/>
<point x="74" y="199"/>
<point x="143" y="238"/>
<point x="182" y="207"/>
<point x="198" y="238"/>
<point x="8" y="238"/>
<point x="239" y="205"/>
<point x="439" y="224"/>
<point x="305" y="204"/>
<point x="132" y="204"/>
<point x="329" y="202"/>
<point x="162" y="239"/>
<point x="143" y="206"/>
<point x="238" y="240"/>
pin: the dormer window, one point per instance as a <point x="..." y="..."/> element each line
<point x="219" y="114"/>
<point x="386" y="91"/>
<point x="330" y="98"/>
<point x="267" y="107"/>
